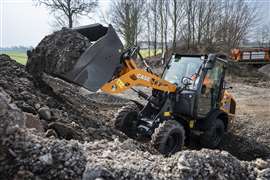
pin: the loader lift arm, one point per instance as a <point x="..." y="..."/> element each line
<point x="130" y="75"/>
<point x="104" y="65"/>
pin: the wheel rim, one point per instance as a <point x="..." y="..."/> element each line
<point x="173" y="143"/>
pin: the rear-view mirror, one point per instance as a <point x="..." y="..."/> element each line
<point x="163" y="58"/>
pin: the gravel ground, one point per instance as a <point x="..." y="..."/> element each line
<point x="27" y="154"/>
<point x="250" y="133"/>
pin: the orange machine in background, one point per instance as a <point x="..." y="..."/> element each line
<point x="251" y="55"/>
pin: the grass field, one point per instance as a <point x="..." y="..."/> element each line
<point x="20" y="57"/>
<point x="145" y="52"/>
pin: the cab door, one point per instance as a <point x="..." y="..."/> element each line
<point x="211" y="91"/>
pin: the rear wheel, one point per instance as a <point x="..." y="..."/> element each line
<point x="126" y="120"/>
<point x="169" y="137"/>
<point x="213" y="134"/>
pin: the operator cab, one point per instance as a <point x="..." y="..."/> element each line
<point x="202" y="78"/>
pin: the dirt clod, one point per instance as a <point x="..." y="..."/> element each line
<point x="45" y="113"/>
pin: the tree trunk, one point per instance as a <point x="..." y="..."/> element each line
<point x="166" y="25"/>
<point x="174" y="23"/>
<point x="69" y="13"/>
<point x="148" y="33"/>
<point x="155" y="27"/>
<point x="189" y="23"/>
<point x="161" y="24"/>
<point x="70" y="22"/>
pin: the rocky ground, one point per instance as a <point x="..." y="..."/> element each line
<point x="52" y="129"/>
<point x="31" y="147"/>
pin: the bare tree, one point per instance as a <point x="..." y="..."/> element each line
<point x="188" y="13"/>
<point x="127" y="16"/>
<point x="66" y="11"/>
<point x="155" y="23"/>
<point x="237" y="20"/>
<point x="148" y="19"/>
<point x="263" y="36"/>
<point x="160" y="6"/>
<point x="197" y="25"/>
<point x="208" y="25"/>
<point x="166" y="23"/>
<point x="177" y="17"/>
<point x="214" y="25"/>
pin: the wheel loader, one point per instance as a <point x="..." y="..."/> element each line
<point x="188" y="98"/>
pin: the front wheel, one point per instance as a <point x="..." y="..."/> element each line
<point x="126" y="120"/>
<point x="169" y="137"/>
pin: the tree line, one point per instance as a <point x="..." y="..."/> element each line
<point x="183" y="25"/>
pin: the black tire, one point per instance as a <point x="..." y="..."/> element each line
<point x="126" y="120"/>
<point x="169" y="137"/>
<point x="213" y="134"/>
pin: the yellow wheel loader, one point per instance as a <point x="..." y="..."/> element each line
<point x="189" y="97"/>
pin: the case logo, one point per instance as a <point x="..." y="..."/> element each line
<point x="143" y="77"/>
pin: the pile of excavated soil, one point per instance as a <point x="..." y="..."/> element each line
<point x="247" y="74"/>
<point x="265" y="70"/>
<point x="57" y="53"/>
<point x="244" y="71"/>
<point x="26" y="154"/>
<point x="49" y="112"/>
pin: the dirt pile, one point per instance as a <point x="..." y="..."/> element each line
<point x="126" y="161"/>
<point x="247" y="74"/>
<point x="265" y="70"/>
<point x="243" y="70"/>
<point x="26" y="154"/>
<point x="49" y="111"/>
<point x="57" y="53"/>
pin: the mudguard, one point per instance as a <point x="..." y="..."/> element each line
<point x="98" y="63"/>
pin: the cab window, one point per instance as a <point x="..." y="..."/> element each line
<point x="180" y="67"/>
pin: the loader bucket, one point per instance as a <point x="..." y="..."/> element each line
<point x="98" y="63"/>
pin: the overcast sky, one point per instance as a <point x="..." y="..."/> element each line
<point x="22" y="23"/>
